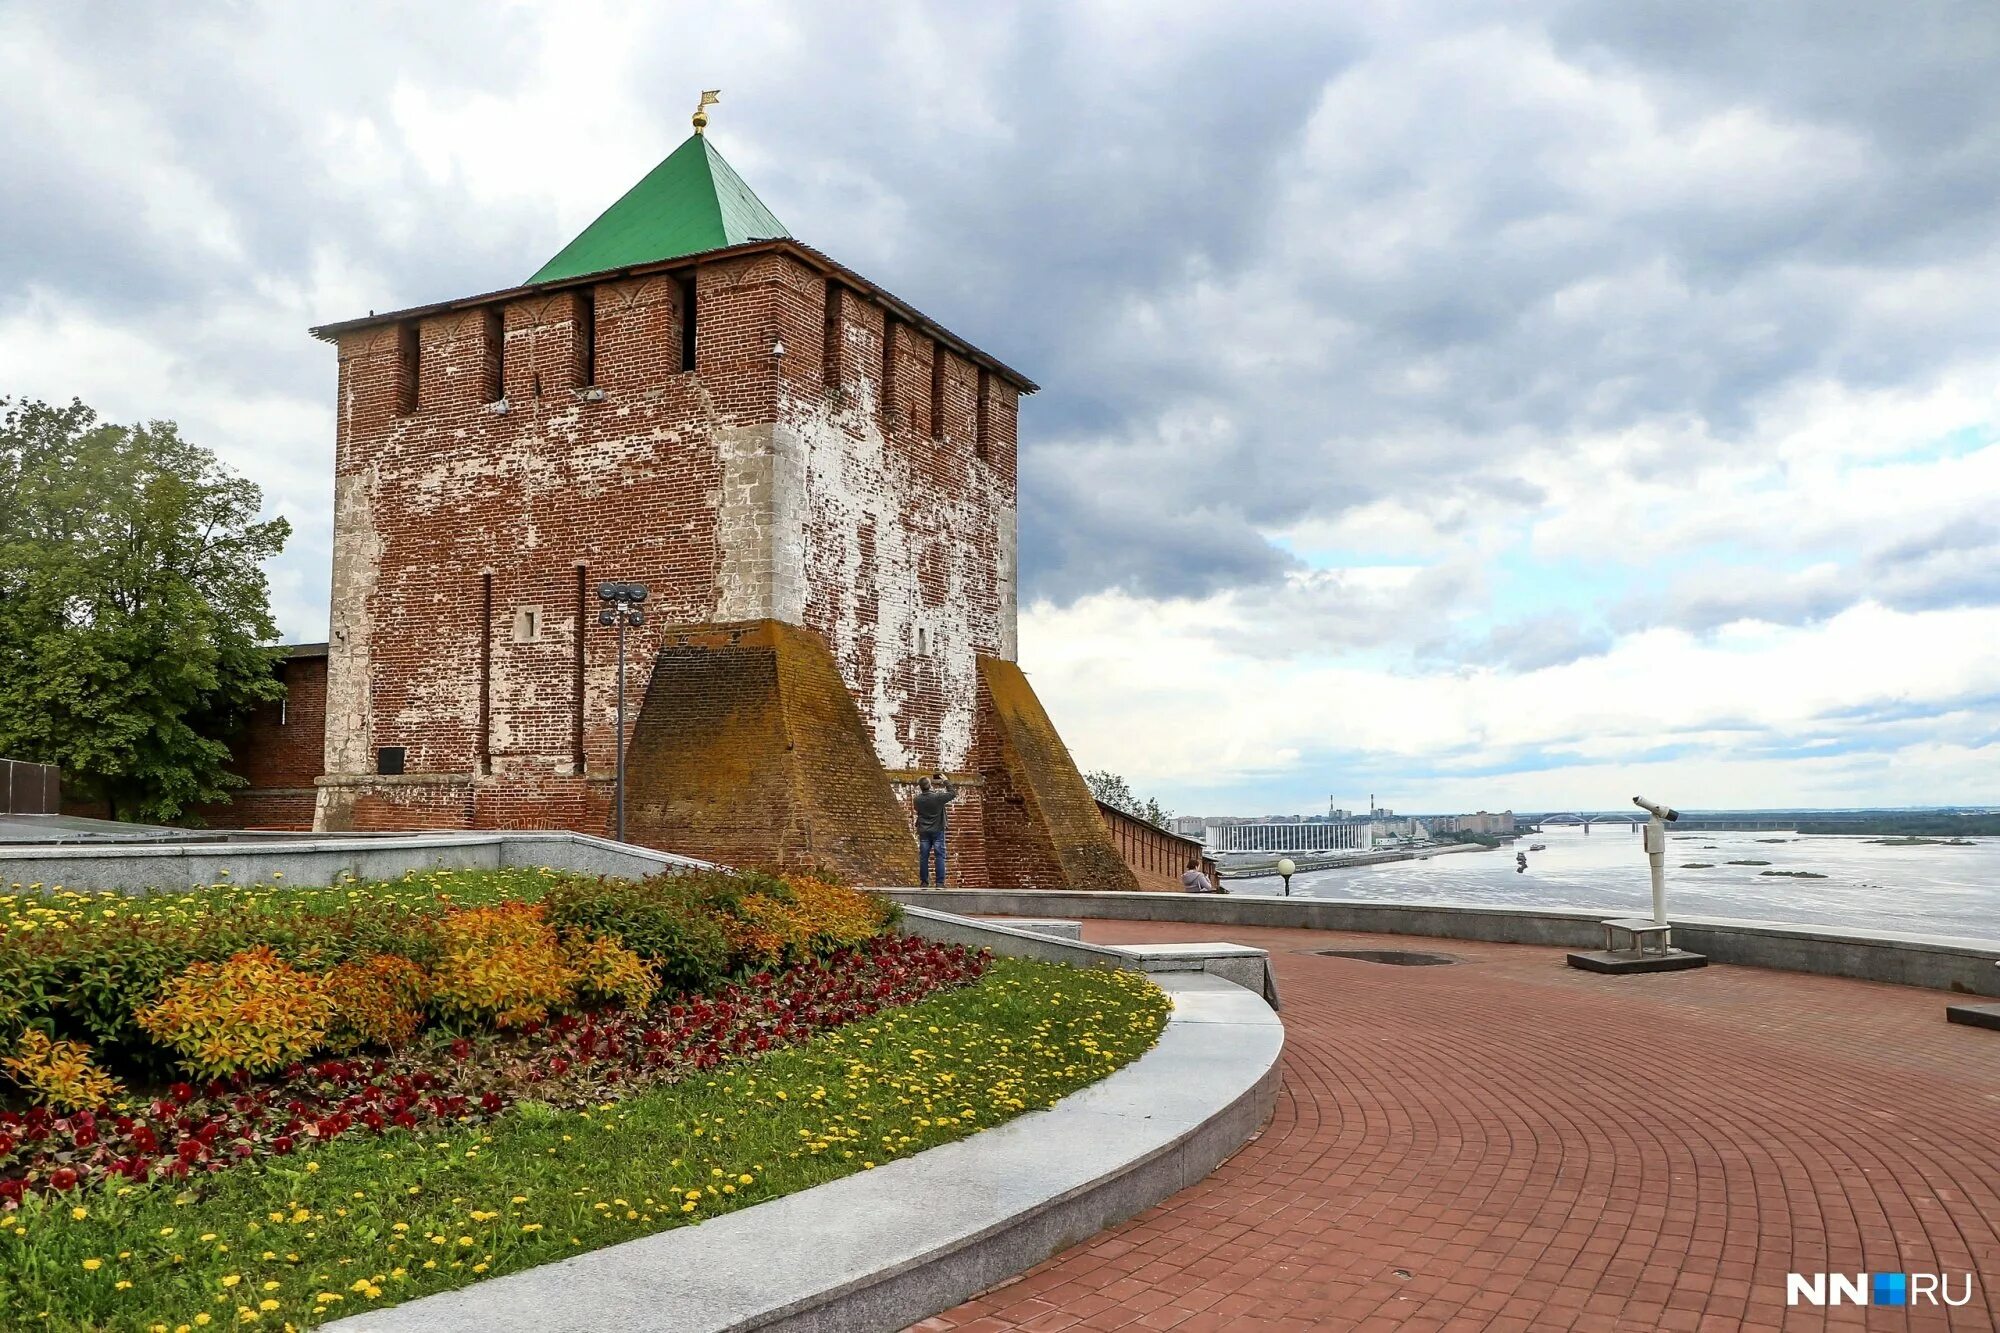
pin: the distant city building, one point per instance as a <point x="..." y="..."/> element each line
<point x="1332" y="831"/>
<point x="1501" y="824"/>
<point x="1289" y="835"/>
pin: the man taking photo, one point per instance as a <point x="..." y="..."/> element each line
<point x="934" y="793"/>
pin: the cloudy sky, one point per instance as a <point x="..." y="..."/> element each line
<point x="1476" y="404"/>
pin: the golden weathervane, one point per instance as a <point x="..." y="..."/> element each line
<point x="708" y="99"/>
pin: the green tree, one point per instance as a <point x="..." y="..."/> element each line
<point x="1114" y="791"/>
<point x="133" y="607"/>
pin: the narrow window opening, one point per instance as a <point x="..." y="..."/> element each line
<point x="888" y="369"/>
<point x="485" y="673"/>
<point x="494" y="326"/>
<point x="938" y="355"/>
<point x="285" y="705"/>
<point x="528" y="625"/>
<point x="586" y="338"/>
<point x="923" y="649"/>
<point x="688" y="314"/>
<point x="830" y="358"/>
<point x="409" y="351"/>
<point x="576" y="700"/>
<point x="389" y="760"/>
<point x="981" y="418"/>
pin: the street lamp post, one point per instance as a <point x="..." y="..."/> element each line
<point x="1287" y="869"/>
<point x="621" y="608"/>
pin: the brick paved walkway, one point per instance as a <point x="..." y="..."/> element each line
<point x="1511" y="1144"/>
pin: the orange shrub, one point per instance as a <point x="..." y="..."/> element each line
<point x="253" y="1011"/>
<point x="376" y="1001"/>
<point x="503" y="964"/>
<point x="762" y="932"/>
<point x="606" y="970"/>
<point x="813" y="916"/>
<point x="832" y="915"/>
<point x="60" y="1072"/>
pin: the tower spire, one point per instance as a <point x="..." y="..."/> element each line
<point x="709" y="98"/>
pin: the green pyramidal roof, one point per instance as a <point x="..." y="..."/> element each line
<point x="693" y="201"/>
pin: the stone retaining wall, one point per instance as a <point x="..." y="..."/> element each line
<point x="1939" y="962"/>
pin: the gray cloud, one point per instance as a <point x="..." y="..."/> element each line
<point x="1955" y="565"/>
<point x="1269" y="265"/>
<point x="1552" y="639"/>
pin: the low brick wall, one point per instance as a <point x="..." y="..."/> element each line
<point x="1157" y="858"/>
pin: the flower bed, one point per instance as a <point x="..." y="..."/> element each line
<point x="95" y="988"/>
<point x="371" y="1218"/>
<point x="193" y="1129"/>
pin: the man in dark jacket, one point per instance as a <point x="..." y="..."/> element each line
<point x="934" y="793"/>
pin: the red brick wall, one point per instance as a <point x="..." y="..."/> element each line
<point x="436" y="501"/>
<point x="1043" y="829"/>
<point x="749" y="750"/>
<point x="906" y="519"/>
<point x="281" y="750"/>
<point x="1157" y="858"/>
<point x="755" y="486"/>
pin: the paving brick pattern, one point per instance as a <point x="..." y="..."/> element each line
<point x="1509" y="1144"/>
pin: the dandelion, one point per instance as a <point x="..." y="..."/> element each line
<point x="92" y="1265"/>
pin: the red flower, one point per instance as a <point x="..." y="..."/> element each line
<point x="63" y="1178"/>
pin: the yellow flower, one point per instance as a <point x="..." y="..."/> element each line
<point x="267" y="1304"/>
<point x="232" y="1279"/>
<point x="92" y="1265"/>
<point x="202" y="1318"/>
<point x="79" y="1213"/>
<point x="124" y="1284"/>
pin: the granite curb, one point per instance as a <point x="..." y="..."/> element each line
<point x="1938" y="962"/>
<point x="885" y="1248"/>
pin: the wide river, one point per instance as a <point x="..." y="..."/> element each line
<point x="1930" y="890"/>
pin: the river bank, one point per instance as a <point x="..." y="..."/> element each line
<point x="1264" y="867"/>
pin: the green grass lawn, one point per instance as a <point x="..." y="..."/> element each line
<point x="52" y="903"/>
<point x="357" y="1224"/>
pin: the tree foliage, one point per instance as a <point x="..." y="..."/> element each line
<point x="133" y="607"/>
<point x="1114" y="791"/>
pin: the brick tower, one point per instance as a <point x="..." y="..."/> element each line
<point x="815" y="481"/>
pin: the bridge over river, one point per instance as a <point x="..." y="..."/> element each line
<point x="1577" y="818"/>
